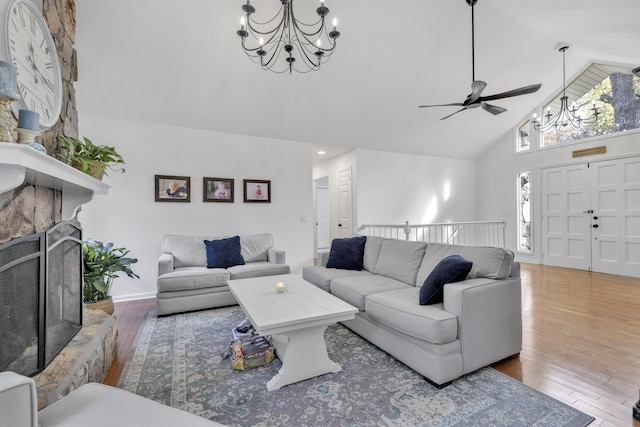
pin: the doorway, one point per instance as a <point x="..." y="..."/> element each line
<point x="322" y="213"/>
<point x="591" y="216"/>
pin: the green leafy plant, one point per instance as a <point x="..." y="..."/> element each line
<point x="90" y="158"/>
<point x="103" y="263"/>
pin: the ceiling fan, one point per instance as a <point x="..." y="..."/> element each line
<point x="475" y="98"/>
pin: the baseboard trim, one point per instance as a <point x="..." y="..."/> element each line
<point x="134" y="297"/>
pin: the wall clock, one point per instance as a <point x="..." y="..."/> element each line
<point x="31" y="49"/>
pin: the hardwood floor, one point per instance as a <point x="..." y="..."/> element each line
<point x="580" y="343"/>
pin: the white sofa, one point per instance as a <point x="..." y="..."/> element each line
<point x="478" y="323"/>
<point x="185" y="283"/>
<point x="95" y="405"/>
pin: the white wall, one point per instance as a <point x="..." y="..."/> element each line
<point x="130" y="217"/>
<point x="391" y="188"/>
<point x="498" y="168"/>
<point x="330" y="169"/>
<point x="394" y="188"/>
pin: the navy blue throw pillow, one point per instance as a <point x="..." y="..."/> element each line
<point x="451" y="269"/>
<point x="223" y="253"/>
<point x="347" y="253"/>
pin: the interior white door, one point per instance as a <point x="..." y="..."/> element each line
<point x="566" y="227"/>
<point x="345" y="203"/>
<point x="615" y="196"/>
<point x="322" y="205"/>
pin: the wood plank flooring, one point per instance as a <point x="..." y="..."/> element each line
<point x="581" y="340"/>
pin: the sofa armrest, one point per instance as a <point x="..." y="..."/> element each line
<point x="489" y="319"/>
<point x="99" y="405"/>
<point x="18" y="400"/>
<point x="275" y="256"/>
<point x="515" y="270"/>
<point x="165" y="264"/>
<point x="323" y="258"/>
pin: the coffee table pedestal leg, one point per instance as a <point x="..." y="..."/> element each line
<point x="303" y="353"/>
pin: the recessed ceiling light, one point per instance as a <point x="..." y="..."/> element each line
<point x="321" y="152"/>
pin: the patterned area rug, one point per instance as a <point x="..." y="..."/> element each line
<point x="177" y="361"/>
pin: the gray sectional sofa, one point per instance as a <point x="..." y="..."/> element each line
<point x="185" y="283"/>
<point x="478" y="323"/>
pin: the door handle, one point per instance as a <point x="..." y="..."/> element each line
<point x="595" y="217"/>
<point x="339" y="225"/>
<point x="595" y="225"/>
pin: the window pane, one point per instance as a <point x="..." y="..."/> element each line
<point x="524" y="211"/>
<point x="524" y="139"/>
<point x="613" y="97"/>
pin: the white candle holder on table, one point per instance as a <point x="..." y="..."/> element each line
<point x="281" y="287"/>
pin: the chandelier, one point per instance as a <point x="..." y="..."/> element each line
<point x="283" y="43"/>
<point x="567" y="116"/>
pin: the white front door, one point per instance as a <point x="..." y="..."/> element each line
<point x="591" y="216"/>
<point x="615" y="197"/>
<point x="565" y="221"/>
<point x="345" y="203"/>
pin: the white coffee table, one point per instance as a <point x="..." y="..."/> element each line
<point x="296" y="320"/>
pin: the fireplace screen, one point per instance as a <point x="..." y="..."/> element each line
<point x="40" y="297"/>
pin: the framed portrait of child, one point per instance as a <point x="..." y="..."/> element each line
<point x="217" y="189"/>
<point x="171" y="188"/>
<point x="257" y="191"/>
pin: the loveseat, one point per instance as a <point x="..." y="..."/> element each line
<point x="185" y="282"/>
<point x="95" y="405"/>
<point x="478" y="322"/>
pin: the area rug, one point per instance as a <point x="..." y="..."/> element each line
<point x="177" y="360"/>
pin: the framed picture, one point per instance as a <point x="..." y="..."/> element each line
<point x="173" y="188"/>
<point x="217" y="189"/>
<point x="257" y="191"/>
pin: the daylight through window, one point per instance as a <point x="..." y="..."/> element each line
<point x="613" y="91"/>
<point x="524" y="211"/>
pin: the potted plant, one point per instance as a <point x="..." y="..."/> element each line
<point x="90" y="158"/>
<point x="103" y="263"/>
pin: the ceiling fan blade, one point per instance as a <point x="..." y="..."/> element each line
<point x="477" y="86"/>
<point x="446" y="117"/>
<point x="515" y="92"/>
<point x="493" y="109"/>
<point x="455" y="104"/>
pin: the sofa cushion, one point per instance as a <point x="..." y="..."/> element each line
<point x="187" y="251"/>
<point x="488" y="262"/>
<point x="223" y="253"/>
<point x="400" y="259"/>
<point x="192" y="278"/>
<point x="354" y="289"/>
<point x="399" y="310"/>
<point x="99" y="405"/>
<point x="322" y="276"/>
<point x="372" y="249"/>
<point x="257" y="269"/>
<point x="254" y="247"/>
<point x="451" y="269"/>
<point x="347" y="253"/>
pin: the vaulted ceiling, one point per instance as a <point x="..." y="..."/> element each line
<point x="180" y="64"/>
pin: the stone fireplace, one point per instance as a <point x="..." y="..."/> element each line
<point x="41" y="294"/>
<point x="40" y="198"/>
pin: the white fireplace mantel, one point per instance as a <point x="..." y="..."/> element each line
<point x="21" y="163"/>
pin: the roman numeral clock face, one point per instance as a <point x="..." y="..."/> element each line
<point x="32" y="51"/>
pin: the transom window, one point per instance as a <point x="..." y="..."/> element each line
<point x="612" y="91"/>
